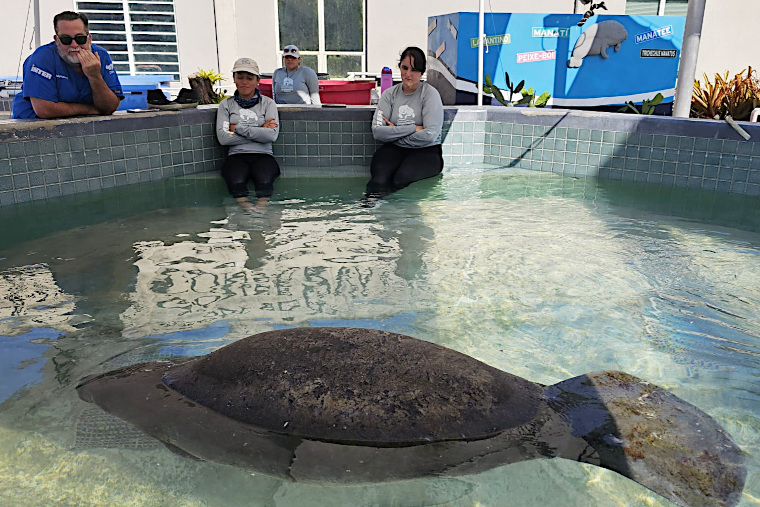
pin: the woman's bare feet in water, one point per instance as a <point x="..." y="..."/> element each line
<point x="249" y="207"/>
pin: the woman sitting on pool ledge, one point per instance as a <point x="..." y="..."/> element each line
<point x="248" y="123"/>
<point x="408" y="119"/>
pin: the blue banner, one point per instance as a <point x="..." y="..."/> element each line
<point x="610" y="60"/>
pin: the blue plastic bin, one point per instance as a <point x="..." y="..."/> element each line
<point x="136" y="88"/>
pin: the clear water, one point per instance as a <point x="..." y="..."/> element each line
<point x="541" y="276"/>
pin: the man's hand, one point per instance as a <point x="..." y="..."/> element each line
<point x="90" y="63"/>
<point x="270" y="123"/>
<point x="388" y="122"/>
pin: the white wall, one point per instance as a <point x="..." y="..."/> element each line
<point x="19" y="46"/>
<point x="196" y="37"/>
<point x="248" y="28"/>
<point x="727" y="44"/>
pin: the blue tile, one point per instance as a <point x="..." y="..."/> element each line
<point x="52" y="190"/>
<point x="740" y="175"/>
<point x="47" y="148"/>
<point x="31" y="148"/>
<point x="715" y="145"/>
<point x="77" y="158"/>
<point x="711" y="171"/>
<point x="93" y="171"/>
<point x="91" y="157"/>
<point x="62" y="145"/>
<point x="16" y="149"/>
<point x="66" y="174"/>
<point x="686" y="143"/>
<point x="52" y="176"/>
<point x="20" y="181"/>
<point x="6" y="183"/>
<point x="76" y="144"/>
<point x="79" y="173"/>
<point x="34" y="163"/>
<point x="730" y="147"/>
<point x="18" y="165"/>
<point x="90" y="142"/>
<point x="36" y="178"/>
<point x="24" y="195"/>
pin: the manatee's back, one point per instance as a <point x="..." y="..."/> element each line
<point x="357" y="386"/>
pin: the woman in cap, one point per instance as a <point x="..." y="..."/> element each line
<point x="248" y="123"/>
<point x="408" y="119"/>
<point x="292" y="83"/>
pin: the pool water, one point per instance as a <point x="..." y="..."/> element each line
<point x="542" y="276"/>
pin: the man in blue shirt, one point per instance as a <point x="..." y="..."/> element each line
<point x="71" y="76"/>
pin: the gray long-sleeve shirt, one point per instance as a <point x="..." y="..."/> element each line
<point x="423" y="107"/>
<point x="300" y="86"/>
<point x="249" y="135"/>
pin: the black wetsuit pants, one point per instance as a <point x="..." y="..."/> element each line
<point x="394" y="167"/>
<point x="261" y="168"/>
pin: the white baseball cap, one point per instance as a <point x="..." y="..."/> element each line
<point x="291" y="50"/>
<point x="246" y="65"/>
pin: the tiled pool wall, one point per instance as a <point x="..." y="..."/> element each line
<point x="43" y="159"/>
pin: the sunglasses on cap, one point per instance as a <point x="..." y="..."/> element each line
<point x="67" y="39"/>
<point x="289" y="50"/>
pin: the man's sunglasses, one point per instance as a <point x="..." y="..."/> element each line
<point x="66" y="39"/>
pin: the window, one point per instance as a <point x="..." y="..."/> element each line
<point x="329" y="33"/>
<point x="140" y="35"/>
<point x="656" y="7"/>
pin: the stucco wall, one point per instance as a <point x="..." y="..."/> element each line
<point x="727" y="42"/>
<point x="248" y="27"/>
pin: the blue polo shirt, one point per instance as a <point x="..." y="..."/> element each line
<point x="47" y="76"/>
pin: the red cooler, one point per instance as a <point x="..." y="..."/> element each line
<point x="333" y="91"/>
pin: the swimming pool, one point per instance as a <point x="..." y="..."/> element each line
<point x="542" y="276"/>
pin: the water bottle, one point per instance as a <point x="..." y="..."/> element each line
<point x="386" y="79"/>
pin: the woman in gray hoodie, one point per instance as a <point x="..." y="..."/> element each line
<point x="248" y="123"/>
<point x="408" y="119"/>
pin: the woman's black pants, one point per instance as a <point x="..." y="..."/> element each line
<point x="394" y="167"/>
<point x="261" y="168"/>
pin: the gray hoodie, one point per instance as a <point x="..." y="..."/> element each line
<point x="300" y="86"/>
<point x="423" y="107"/>
<point x="249" y="135"/>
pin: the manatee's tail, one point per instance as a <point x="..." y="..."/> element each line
<point x="651" y="436"/>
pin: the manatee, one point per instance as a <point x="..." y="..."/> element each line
<point x="595" y="41"/>
<point x="356" y="405"/>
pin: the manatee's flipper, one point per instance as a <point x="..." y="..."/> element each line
<point x="603" y="52"/>
<point x="651" y="436"/>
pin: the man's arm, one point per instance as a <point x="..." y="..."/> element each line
<point x="47" y="109"/>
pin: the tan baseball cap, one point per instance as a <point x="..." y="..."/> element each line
<point x="246" y="65"/>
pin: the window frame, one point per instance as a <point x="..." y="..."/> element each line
<point x="660" y="7"/>
<point x="322" y="53"/>
<point x="133" y="59"/>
